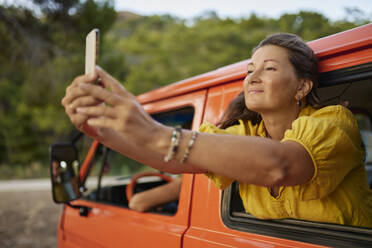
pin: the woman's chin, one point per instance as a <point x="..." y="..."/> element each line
<point x="256" y="107"/>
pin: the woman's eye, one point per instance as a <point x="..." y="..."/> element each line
<point x="249" y="71"/>
<point x="271" y="69"/>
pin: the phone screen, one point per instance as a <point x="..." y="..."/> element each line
<point x="91" y="50"/>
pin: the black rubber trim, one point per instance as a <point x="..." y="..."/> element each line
<point x="346" y="75"/>
<point x="297" y="230"/>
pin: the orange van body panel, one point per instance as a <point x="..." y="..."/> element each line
<point x="108" y="226"/>
<point x="138" y="229"/>
<point x="198" y="221"/>
<point x="206" y="228"/>
<point x="219" y="98"/>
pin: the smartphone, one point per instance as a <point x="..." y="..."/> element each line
<point x="91" y="50"/>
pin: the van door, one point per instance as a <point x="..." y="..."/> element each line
<point x="207" y="228"/>
<point x="110" y="223"/>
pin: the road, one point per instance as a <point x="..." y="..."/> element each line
<point x="25" y="185"/>
<point x="28" y="216"/>
<point x="44" y="184"/>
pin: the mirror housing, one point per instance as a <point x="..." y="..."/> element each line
<point x="64" y="172"/>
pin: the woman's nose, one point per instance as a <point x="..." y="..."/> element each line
<point x="253" y="77"/>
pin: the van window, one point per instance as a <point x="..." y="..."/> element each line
<point x="354" y="90"/>
<point x="111" y="171"/>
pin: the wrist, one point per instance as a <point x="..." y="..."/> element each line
<point x="88" y="130"/>
<point x="158" y="138"/>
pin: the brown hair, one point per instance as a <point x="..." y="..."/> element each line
<point x="305" y="63"/>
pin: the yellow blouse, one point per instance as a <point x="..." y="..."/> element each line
<point x="338" y="191"/>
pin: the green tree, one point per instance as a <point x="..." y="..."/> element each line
<point x="43" y="52"/>
<point x="165" y="49"/>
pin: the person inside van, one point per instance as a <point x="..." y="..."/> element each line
<point x="291" y="157"/>
<point x="149" y="199"/>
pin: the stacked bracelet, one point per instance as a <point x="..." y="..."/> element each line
<point x="189" y="146"/>
<point x="175" y="141"/>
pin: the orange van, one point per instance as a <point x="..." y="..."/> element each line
<point x="96" y="212"/>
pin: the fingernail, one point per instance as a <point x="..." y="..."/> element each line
<point x="91" y="76"/>
<point x="79" y="110"/>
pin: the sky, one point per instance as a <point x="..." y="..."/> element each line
<point x="186" y="9"/>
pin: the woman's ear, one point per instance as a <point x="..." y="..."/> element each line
<point x="304" y="88"/>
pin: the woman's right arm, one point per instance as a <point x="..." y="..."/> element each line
<point x="124" y="126"/>
<point x="145" y="128"/>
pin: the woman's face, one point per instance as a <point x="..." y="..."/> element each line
<point x="271" y="83"/>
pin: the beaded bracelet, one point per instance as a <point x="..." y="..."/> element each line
<point x="189" y="146"/>
<point x="175" y="141"/>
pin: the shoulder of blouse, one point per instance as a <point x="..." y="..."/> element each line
<point x="336" y="116"/>
<point x="328" y="111"/>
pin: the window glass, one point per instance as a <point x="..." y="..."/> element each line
<point x="82" y="143"/>
<point x="118" y="169"/>
<point x="365" y="128"/>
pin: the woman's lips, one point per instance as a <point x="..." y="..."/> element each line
<point x="254" y="91"/>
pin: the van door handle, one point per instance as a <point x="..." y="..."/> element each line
<point x="83" y="211"/>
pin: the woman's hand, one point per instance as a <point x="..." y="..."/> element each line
<point x="115" y="118"/>
<point x="75" y="97"/>
<point x="120" y="113"/>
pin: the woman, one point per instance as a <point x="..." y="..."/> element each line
<point x="290" y="159"/>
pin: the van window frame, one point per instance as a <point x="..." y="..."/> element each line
<point x="300" y="230"/>
<point x="186" y="111"/>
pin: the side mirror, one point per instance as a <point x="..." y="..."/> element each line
<point x="64" y="172"/>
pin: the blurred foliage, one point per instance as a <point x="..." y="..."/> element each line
<point x="164" y="49"/>
<point x="43" y="50"/>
